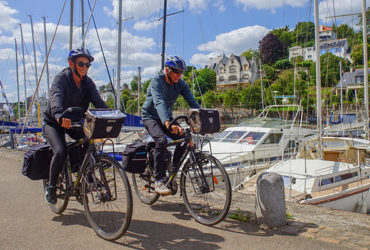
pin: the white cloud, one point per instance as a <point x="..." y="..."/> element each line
<point x="202" y="59"/>
<point x="236" y="41"/>
<point x="146" y="25"/>
<point x="135" y="8"/>
<point x="6" y="54"/>
<point x="342" y="7"/>
<point x="7" y="22"/>
<point x="270" y="4"/>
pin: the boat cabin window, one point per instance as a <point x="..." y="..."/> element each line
<point x="338" y="178"/>
<point x="220" y="136"/>
<point x="273" y="138"/>
<point x="252" y="137"/>
<point x="234" y="136"/>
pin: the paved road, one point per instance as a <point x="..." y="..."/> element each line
<point x="27" y="223"/>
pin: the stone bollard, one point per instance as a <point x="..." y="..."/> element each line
<point x="270" y="200"/>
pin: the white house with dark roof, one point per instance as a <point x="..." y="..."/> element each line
<point x="234" y="71"/>
<point x="352" y="80"/>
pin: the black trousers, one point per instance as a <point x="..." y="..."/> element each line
<point x="55" y="135"/>
<point x="159" y="133"/>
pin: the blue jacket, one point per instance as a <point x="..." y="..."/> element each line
<point x="161" y="97"/>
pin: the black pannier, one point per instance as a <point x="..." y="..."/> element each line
<point x="204" y="121"/>
<point x="36" y="162"/>
<point x="103" y="123"/>
<point x="134" y="157"/>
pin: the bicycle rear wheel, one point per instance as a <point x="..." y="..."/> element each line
<point x="107" y="198"/>
<point x="144" y="186"/>
<point x="62" y="193"/>
<point x="206" y="190"/>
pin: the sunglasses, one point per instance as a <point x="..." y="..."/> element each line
<point x="81" y="64"/>
<point x="176" y="71"/>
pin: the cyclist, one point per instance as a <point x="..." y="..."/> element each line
<point x="157" y="114"/>
<point x="71" y="88"/>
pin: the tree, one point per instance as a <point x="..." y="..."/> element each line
<point x="232" y="98"/>
<point x="283" y="64"/>
<point x="146" y="85"/>
<point x="304" y="32"/>
<point x="250" y="54"/>
<point x="330" y="69"/>
<point x="285" y="37"/>
<point x="271" y="72"/>
<point x="206" y="80"/>
<point x="210" y="99"/>
<point x="357" y="53"/>
<point x="343" y="31"/>
<point x="250" y="97"/>
<point x="134" y="83"/>
<point x="271" y="49"/>
<point x="110" y="102"/>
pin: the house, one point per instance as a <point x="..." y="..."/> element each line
<point x="234" y="71"/>
<point x="352" y="80"/>
<point x="338" y="47"/>
<point x="326" y="33"/>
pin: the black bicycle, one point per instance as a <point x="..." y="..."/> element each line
<point x="100" y="185"/>
<point x="204" y="183"/>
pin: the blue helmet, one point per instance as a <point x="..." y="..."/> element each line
<point x="176" y="62"/>
<point x="74" y="53"/>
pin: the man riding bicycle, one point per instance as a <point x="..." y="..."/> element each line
<point x="162" y="94"/>
<point x="71" y="88"/>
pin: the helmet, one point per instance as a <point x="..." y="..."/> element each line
<point x="80" y="52"/>
<point x="176" y="62"/>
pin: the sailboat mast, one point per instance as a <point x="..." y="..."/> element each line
<point x="119" y="35"/>
<point x="318" y="78"/>
<point x="366" y="80"/>
<point x="34" y="54"/>
<point x="24" y="73"/>
<point x="16" y="69"/>
<point x="164" y="34"/>
<point x="46" y="54"/>
<point x="71" y="27"/>
<point x="82" y="23"/>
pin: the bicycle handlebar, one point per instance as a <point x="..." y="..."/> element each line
<point x="75" y="114"/>
<point x="181" y="117"/>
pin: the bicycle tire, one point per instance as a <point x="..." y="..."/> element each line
<point x="109" y="213"/>
<point x="62" y="194"/>
<point x="207" y="201"/>
<point x="144" y="186"/>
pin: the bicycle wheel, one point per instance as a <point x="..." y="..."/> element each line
<point x="144" y="186"/>
<point x="62" y="194"/>
<point x="107" y="198"/>
<point x="206" y="190"/>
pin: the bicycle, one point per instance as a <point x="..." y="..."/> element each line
<point x="204" y="183"/>
<point x="100" y="185"/>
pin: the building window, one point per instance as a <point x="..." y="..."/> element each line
<point x="245" y="67"/>
<point x="232" y="78"/>
<point x="221" y="79"/>
<point x="245" y="77"/>
<point x="359" y="79"/>
<point x="232" y="69"/>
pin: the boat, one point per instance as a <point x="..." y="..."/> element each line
<point x="256" y="143"/>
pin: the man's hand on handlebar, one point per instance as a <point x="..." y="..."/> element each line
<point x="66" y="123"/>
<point x="174" y="129"/>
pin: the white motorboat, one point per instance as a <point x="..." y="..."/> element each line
<point x="256" y="143"/>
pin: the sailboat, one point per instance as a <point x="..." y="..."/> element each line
<point x="328" y="171"/>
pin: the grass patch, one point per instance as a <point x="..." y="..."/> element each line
<point x="289" y="216"/>
<point x="239" y="216"/>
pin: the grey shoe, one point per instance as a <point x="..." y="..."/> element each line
<point x="161" y="188"/>
<point x="50" y="195"/>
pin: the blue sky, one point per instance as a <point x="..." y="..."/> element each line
<point x="206" y="28"/>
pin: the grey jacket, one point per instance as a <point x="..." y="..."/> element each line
<point x="162" y="96"/>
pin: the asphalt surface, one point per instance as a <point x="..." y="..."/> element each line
<point x="26" y="222"/>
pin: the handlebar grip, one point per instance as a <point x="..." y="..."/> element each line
<point x="181" y="117"/>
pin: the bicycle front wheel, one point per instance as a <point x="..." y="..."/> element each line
<point x="61" y="191"/>
<point x="206" y="190"/>
<point x="107" y="198"/>
<point x="144" y="186"/>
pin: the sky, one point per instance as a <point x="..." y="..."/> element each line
<point x="196" y="30"/>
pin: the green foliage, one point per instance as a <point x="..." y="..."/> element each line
<point x="283" y="64"/>
<point x="250" y="54"/>
<point x="206" y="80"/>
<point x="239" y="216"/>
<point x="304" y="32"/>
<point x="110" y="102"/>
<point x="134" y="83"/>
<point x="285" y="37"/>
<point x="146" y="85"/>
<point x="232" y="98"/>
<point x="271" y="49"/>
<point x="330" y="69"/>
<point x="210" y="99"/>
<point x="357" y="53"/>
<point x="251" y="96"/>
<point x="271" y="72"/>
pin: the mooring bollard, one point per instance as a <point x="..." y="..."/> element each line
<point x="270" y="200"/>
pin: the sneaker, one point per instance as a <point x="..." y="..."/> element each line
<point x="51" y="195"/>
<point x="161" y="188"/>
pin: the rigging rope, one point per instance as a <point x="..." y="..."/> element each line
<point x="43" y="68"/>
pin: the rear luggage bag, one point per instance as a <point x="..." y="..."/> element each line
<point x="36" y="162"/>
<point x="134" y="157"/>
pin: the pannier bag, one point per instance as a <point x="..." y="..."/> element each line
<point x="204" y="121"/>
<point x="36" y="162"/>
<point x="134" y="157"/>
<point x="103" y="123"/>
